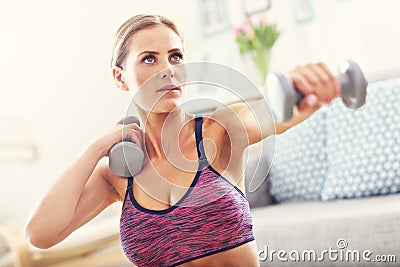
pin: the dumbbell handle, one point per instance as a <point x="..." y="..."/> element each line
<point x="126" y="158"/>
<point x="283" y="96"/>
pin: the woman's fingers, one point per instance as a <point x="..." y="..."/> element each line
<point x="133" y="133"/>
<point x="321" y="83"/>
<point x="316" y="79"/>
<point x="337" y="88"/>
<point x="301" y="82"/>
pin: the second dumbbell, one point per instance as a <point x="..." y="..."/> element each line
<point x="283" y="96"/>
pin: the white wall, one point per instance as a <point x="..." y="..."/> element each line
<point x="56" y="85"/>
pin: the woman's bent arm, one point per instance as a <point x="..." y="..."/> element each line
<point x="79" y="194"/>
<point x="82" y="192"/>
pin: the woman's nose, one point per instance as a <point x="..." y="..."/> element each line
<point x="167" y="72"/>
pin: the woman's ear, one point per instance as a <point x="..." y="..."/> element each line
<point x="119" y="78"/>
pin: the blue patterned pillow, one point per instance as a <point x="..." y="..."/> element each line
<point x="364" y="145"/>
<point x="299" y="167"/>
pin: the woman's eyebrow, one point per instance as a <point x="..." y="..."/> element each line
<point x="148" y="52"/>
<point x="174" y="50"/>
<point x="157" y="53"/>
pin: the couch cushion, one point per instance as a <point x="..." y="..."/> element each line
<point x="363" y="145"/>
<point x="370" y="223"/>
<point x="299" y="166"/>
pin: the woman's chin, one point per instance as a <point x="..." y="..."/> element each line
<point x="168" y="105"/>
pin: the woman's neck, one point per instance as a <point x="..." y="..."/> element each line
<point x="162" y="132"/>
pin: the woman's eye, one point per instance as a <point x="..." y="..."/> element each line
<point x="148" y="59"/>
<point x="176" y="56"/>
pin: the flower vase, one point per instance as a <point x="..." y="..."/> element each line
<point x="261" y="59"/>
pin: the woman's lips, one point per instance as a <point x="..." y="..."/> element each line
<point x="168" y="88"/>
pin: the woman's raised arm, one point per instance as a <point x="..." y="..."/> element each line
<point x="249" y="123"/>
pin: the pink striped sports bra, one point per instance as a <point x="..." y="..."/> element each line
<point x="212" y="216"/>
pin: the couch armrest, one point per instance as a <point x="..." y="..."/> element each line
<point x="93" y="244"/>
<point x="14" y="250"/>
<point x="258" y="160"/>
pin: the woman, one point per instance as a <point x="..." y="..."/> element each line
<point x="178" y="210"/>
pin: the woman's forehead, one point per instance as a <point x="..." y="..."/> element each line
<point x="158" y="39"/>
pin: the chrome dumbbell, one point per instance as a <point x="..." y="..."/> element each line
<point x="283" y="96"/>
<point x="126" y="158"/>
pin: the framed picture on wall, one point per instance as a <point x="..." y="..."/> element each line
<point x="302" y="10"/>
<point x="252" y="7"/>
<point x="214" y="17"/>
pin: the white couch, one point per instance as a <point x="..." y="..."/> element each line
<point x="297" y="212"/>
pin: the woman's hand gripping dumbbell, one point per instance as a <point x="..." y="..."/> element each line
<point x="283" y="96"/>
<point x="126" y="157"/>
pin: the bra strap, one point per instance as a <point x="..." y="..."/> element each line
<point x="199" y="141"/>
<point x="130" y="183"/>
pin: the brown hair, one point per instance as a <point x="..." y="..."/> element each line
<point x="129" y="28"/>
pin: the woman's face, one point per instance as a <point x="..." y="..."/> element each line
<point x="153" y="71"/>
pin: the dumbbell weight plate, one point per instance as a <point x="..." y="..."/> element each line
<point x="126" y="158"/>
<point x="353" y="83"/>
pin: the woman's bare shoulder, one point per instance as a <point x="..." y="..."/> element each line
<point x="227" y="118"/>
<point x="213" y="127"/>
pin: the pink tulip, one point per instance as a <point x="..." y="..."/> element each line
<point x="238" y="31"/>
<point x="248" y="20"/>
<point x="247" y="28"/>
<point x="264" y="20"/>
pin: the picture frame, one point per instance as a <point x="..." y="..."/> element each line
<point x="252" y="7"/>
<point x="214" y="17"/>
<point x="302" y="11"/>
